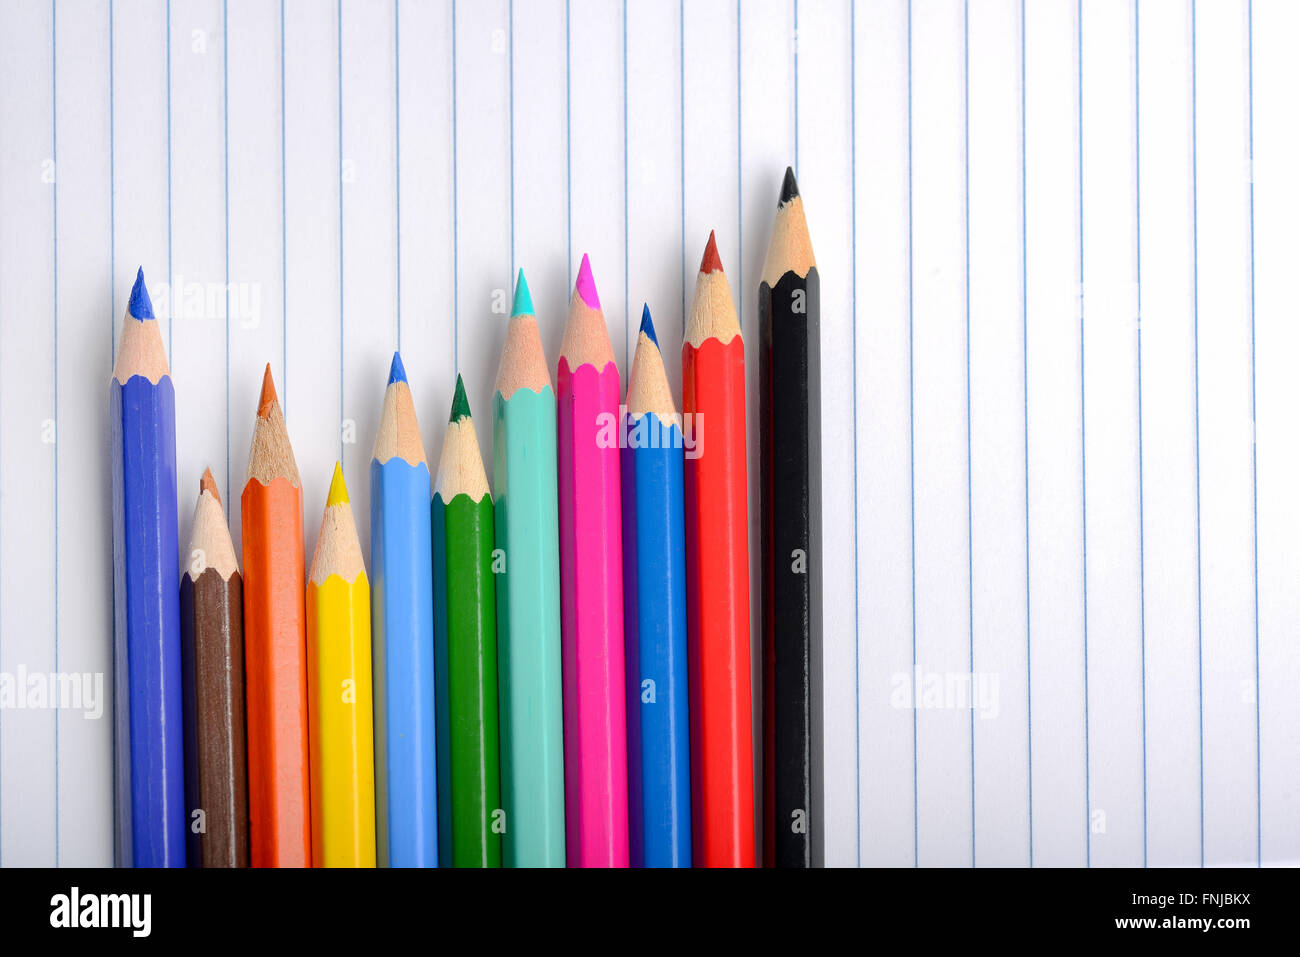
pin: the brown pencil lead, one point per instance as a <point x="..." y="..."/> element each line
<point x="209" y="484"/>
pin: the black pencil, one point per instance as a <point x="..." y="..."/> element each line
<point x="789" y="308"/>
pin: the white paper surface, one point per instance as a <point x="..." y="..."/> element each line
<point x="1108" y="542"/>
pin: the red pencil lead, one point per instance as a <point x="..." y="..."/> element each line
<point x="711" y="261"/>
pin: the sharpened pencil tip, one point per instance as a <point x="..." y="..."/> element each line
<point x="586" y="285"/>
<point x="711" y="262"/>
<point x="209" y="484"/>
<point x="397" y="371"/>
<point x="460" y="402"/>
<point x="268" y="397"/>
<point x="338" y="488"/>
<point x="789" y="188"/>
<point x="523" y="305"/>
<point x="140" y="306"/>
<point x="648" y="326"/>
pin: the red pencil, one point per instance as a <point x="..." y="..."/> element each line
<point x="717" y="573"/>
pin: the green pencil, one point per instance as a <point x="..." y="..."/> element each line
<point x="528" y="601"/>
<point x="470" y="818"/>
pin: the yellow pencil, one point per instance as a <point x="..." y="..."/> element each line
<point x="341" y="732"/>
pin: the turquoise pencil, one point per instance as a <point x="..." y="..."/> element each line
<point x="401" y="610"/>
<point x="528" y="596"/>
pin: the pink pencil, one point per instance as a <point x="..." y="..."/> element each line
<point x="591" y="587"/>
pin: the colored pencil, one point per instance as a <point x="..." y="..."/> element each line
<point x="148" y="727"/>
<point x="717" y="579"/>
<point x="275" y="645"/>
<point x="469" y="799"/>
<point x="401" y="560"/>
<point x="339" y="691"/>
<point x="654" y="615"/>
<point x="789" y="312"/>
<point x="591" y="587"/>
<point x="526" y="517"/>
<point x="212" y="655"/>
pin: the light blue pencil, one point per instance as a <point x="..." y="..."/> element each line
<point x="401" y="560"/>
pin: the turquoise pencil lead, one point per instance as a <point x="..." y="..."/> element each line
<point x="523" y="304"/>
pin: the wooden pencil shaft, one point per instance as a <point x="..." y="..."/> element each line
<point x="401" y="551"/>
<point x="654" y="590"/>
<point x="789" y="325"/>
<point x="717" y="561"/>
<point x="591" y="608"/>
<point x="212" y="646"/>
<point x="401" y="562"/>
<point x="150" y="774"/>
<point x="341" y="722"/>
<point x="467" y="654"/>
<point x="275" y="678"/>
<point x="526" y="525"/>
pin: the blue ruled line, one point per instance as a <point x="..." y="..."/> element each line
<point x="681" y="60"/>
<point x="568" y="145"/>
<point x="1196" y="368"/>
<point x="1142" y="561"/>
<point x="171" y="296"/>
<point x="857" y="578"/>
<point x="54" y="158"/>
<point x="112" y="294"/>
<point x="1083" y="457"/>
<point x="225" y="165"/>
<point x="795" y="40"/>
<point x="970" y="517"/>
<point x="338" y="11"/>
<point x="627" y="366"/>
<point x="911" y="440"/>
<point x="284" y="239"/>
<point x="740" y="192"/>
<point x="112" y="195"/>
<point x="511" y="32"/>
<point x="397" y="153"/>
<point x="455" y="210"/>
<point x="1024" y="362"/>
<point x="1254" y="459"/>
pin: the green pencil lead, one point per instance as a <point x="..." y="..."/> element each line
<point x="460" y="403"/>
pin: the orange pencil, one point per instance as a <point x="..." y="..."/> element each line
<point x="717" y="574"/>
<point x="275" y="645"/>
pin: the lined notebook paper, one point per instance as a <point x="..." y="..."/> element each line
<point x="1060" y="333"/>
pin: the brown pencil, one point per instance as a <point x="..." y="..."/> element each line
<point x="212" y="662"/>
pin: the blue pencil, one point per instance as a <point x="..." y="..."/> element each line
<point x="654" y="614"/>
<point x="150" y="772"/>
<point x="401" y="560"/>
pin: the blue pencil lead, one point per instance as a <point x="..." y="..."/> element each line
<point x="647" y="326"/>
<point x="140" y="306"/>
<point x="397" y="373"/>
